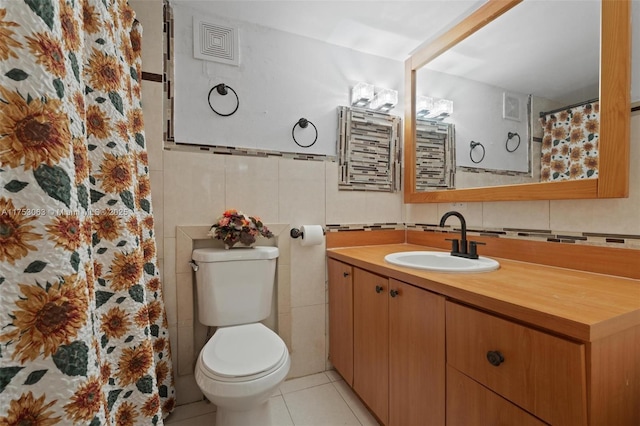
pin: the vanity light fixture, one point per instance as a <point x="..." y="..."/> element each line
<point x="384" y="100"/>
<point x="424" y="105"/>
<point x="433" y="108"/>
<point x="442" y="108"/>
<point x="361" y="94"/>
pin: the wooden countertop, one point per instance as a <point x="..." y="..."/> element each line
<point x="580" y="305"/>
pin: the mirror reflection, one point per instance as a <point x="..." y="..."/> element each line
<point x="539" y="57"/>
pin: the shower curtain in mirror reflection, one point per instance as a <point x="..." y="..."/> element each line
<point x="83" y="329"/>
<point x="570" y="143"/>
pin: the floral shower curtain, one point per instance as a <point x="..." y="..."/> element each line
<point x="570" y="143"/>
<point x="83" y="330"/>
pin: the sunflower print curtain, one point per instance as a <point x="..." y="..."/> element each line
<point x="83" y="330"/>
<point x="570" y="143"/>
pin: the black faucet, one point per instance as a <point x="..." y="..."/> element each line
<point x="460" y="248"/>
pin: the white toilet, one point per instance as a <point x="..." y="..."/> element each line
<point x="244" y="362"/>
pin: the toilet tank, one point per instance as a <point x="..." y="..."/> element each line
<point x="234" y="286"/>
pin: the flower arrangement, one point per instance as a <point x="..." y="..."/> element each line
<point x="234" y="226"/>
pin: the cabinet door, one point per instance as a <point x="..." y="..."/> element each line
<point x="341" y="318"/>
<point x="416" y="356"/>
<point x="471" y="404"/>
<point x="371" y="341"/>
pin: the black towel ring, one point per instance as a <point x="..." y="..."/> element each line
<point x="510" y="136"/>
<point x="223" y="89"/>
<point x="303" y="123"/>
<point x="473" y="146"/>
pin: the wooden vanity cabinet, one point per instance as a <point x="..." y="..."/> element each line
<point x="568" y="343"/>
<point x="398" y="350"/>
<point x="341" y="318"/>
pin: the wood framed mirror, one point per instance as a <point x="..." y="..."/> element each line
<point x="615" y="83"/>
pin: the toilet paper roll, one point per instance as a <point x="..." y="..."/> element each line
<point x="312" y="235"/>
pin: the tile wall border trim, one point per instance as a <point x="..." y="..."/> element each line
<point x="150" y="76"/>
<point x="625" y="241"/>
<point x="480" y="170"/>
<point x="246" y="152"/>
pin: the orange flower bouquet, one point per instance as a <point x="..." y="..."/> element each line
<point x="235" y="227"/>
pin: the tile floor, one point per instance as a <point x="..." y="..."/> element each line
<point x="318" y="399"/>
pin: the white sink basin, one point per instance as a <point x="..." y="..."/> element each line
<point x="441" y="261"/>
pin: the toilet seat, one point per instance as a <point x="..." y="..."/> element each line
<point x="242" y="353"/>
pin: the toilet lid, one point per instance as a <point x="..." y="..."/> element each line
<point x="242" y="350"/>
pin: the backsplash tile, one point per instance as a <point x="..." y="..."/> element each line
<point x="630" y="241"/>
<point x="363" y="227"/>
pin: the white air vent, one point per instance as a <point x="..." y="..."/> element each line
<point x="215" y="42"/>
<point x="510" y="107"/>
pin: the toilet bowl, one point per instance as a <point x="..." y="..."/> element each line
<point x="244" y="362"/>
<point x="238" y="369"/>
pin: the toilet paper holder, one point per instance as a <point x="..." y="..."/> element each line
<point x="295" y="233"/>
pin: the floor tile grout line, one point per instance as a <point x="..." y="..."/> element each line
<point x="282" y="394"/>
<point x="346" y="402"/>
<point x="288" y="410"/>
<point x="308" y="387"/>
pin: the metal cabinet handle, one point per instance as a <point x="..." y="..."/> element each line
<point x="495" y="358"/>
<point x="379" y="289"/>
<point x="394" y="293"/>
<point x="345" y="274"/>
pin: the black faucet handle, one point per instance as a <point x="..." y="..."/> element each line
<point x="473" y="248"/>
<point x="455" y="245"/>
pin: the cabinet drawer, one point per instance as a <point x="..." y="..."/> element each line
<point x="541" y="373"/>
<point x="471" y="404"/>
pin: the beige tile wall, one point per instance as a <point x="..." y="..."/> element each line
<point x="192" y="189"/>
<point x="198" y="187"/>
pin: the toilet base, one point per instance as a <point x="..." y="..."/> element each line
<point x="259" y="416"/>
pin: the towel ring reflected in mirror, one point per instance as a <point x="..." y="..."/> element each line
<point x="473" y="146"/>
<point x="510" y="136"/>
